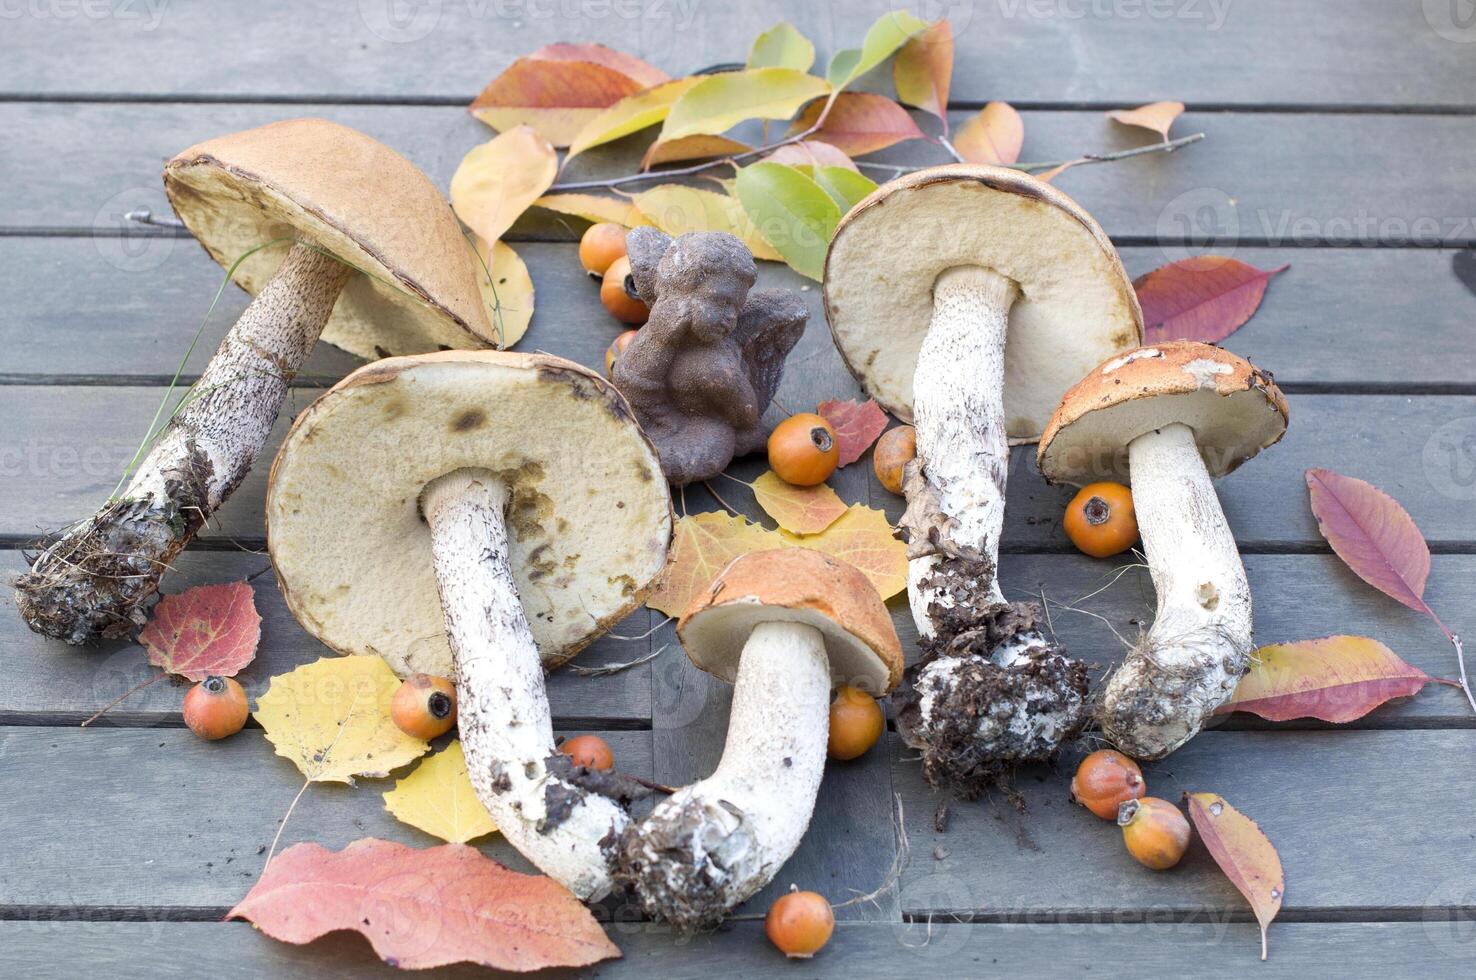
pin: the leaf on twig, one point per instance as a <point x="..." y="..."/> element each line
<point x="863" y="537"/>
<point x="857" y="425"/>
<point x="859" y="123"/>
<point x="507" y="291"/>
<point x="883" y="38"/>
<point x="592" y="207"/>
<point x="923" y="70"/>
<point x="717" y="103"/>
<point x="1205" y="298"/>
<point x="204" y="631"/>
<point x="631" y="114"/>
<point x="1046" y="176"/>
<point x="699" y="147"/>
<point x="425" y="908"/>
<point x="331" y="719"/>
<point x="793" y="213"/>
<point x="438" y="798"/>
<point x="800" y="510"/>
<point x="702" y="546"/>
<point x="1242" y="851"/>
<point x="497" y="181"/>
<point x="846" y="187"/>
<point x="782" y="46"/>
<point x="643" y="73"/>
<point x="1337" y="679"/>
<point x="994" y="134"/>
<point x="555" y="97"/>
<point x="676" y="209"/>
<point x="811" y="153"/>
<point x="1156" y="116"/>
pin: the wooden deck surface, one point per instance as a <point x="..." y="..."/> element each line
<point x="1340" y="139"/>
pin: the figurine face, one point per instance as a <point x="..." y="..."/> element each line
<point x="712" y="308"/>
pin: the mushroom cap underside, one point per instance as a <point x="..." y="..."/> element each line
<point x="352" y="196"/>
<point x="1076" y="304"/>
<point x="1234" y="408"/>
<point x="795" y="585"/>
<point x="589" y="519"/>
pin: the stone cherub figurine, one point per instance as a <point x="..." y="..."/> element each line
<point x="702" y="370"/>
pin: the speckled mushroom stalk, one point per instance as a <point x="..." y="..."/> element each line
<point x="786" y="626"/>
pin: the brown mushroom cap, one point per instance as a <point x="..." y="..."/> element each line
<point x="1076" y="304"/>
<point x="352" y="196"/>
<point x="1234" y="408"/>
<point x="795" y="585"/>
<point x="589" y="521"/>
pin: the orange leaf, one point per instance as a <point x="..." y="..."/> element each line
<point x="1157" y="116"/>
<point x="923" y="70"/>
<point x="812" y="153"/>
<point x="856" y="426"/>
<point x="698" y="147"/>
<point x="557" y="98"/>
<point x="802" y="510"/>
<point x="863" y="537"/>
<point x="1243" y="853"/>
<point x="859" y="123"/>
<point x="702" y="546"/>
<point x="499" y="180"/>
<point x="425" y="908"/>
<point x="994" y="135"/>
<point x="626" y="64"/>
<point x="210" y="629"/>
<point x="1336" y="679"/>
<point x="1056" y="171"/>
<point x="1204" y="298"/>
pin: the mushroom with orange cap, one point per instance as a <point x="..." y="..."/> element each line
<point x="784" y="627"/>
<point x="1170" y="418"/>
<point x="481" y="515"/>
<point x="966" y="299"/>
<point x="335" y="235"/>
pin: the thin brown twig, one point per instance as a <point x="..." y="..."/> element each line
<point x="730" y="508"/>
<point x="608" y="669"/>
<point x="1167" y="146"/>
<point x="1460" y="649"/>
<point x="121" y="698"/>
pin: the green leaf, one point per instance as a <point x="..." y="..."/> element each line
<point x="846" y="187"/>
<point x="782" y="46"/>
<point x="629" y="115"/>
<point x="889" y="33"/>
<point x="720" y="102"/>
<point x="793" y="213"/>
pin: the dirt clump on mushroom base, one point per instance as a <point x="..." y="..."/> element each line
<point x="686" y="867"/>
<point x="991" y="690"/>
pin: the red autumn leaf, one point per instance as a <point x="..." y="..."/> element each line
<point x="626" y="64"/>
<point x="1205" y="298"/>
<point x="1156" y="116"/>
<point x="557" y="98"/>
<point x="1337" y="679"/>
<point x="856" y="426"/>
<point x="1243" y="852"/>
<point x="210" y="629"/>
<point x="424" y="908"/>
<point x="1373" y="534"/>
<point x="923" y="70"/>
<point x="859" y="123"/>
<point x="993" y="135"/>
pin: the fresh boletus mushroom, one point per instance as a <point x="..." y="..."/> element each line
<point x="363" y="251"/>
<point x="966" y="299"/>
<point x="480" y="515"/>
<point x="1170" y="418"/>
<point x="784" y="627"/>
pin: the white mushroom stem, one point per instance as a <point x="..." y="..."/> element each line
<point x="1199" y="646"/>
<point x="97" y="578"/>
<point x="502" y="708"/>
<point x="715" y="843"/>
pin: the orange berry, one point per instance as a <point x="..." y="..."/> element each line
<point x="215" y="708"/>
<point x="1105" y="780"/>
<point x="1155" y="832"/>
<point x="803" y="450"/>
<point x="601" y="245"/>
<point x="856" y="722"/>
<point x="589" y="751"/>
<point x="618" y="301"/>
<point x="1100" y="519"/>
<point x="424" y="706"/>
<point x="894" y="450"/>
<point x="800" y="924"/>
<point x="616" y="348"/>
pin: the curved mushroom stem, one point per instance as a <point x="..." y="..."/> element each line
<point x="502" y="711"/>
<point x="98" y="578"/>
<point x="991" y="689"/>
<point x="715" y="843"/>
<point x="1200" y="643"/>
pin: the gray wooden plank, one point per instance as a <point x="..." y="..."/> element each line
<point x="47" y="682"/>
<point x="1313" y="178"/>
<point x="74" y="313"/>
<point x="1334" y="804"/>
<point x="161" y="819"/>
<point x="1317" y="52"/>
<point x="185" y="950"/>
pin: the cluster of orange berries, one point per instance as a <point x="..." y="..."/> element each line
<point x="602" y="253"/>
<point x="1111" y="785"/>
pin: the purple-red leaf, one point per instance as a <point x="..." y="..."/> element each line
<point x="1373" y="534"/>
<point x="1205" y="298"/>
<point x="1337" y="679"/>
<point x="856" y="426"/>
<point x="210" y="629"/>
<point x="859" y="123"/>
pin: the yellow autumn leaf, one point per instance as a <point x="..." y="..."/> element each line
<point x="699" y="147"/>
<point x="863" y="537"/>
<point x="592" y="207"/>
<point x="631" y="114"/>
<point x="720" y="102"/>
<point x="802" y="510"/>
<point x="676" y="209"/>
<point x="782" y="46"/>
<point x="331" y="719"/>
<point x="507" y="291"/>
<point x="498" y="180"/>
<point x="702" y="546"/>
<point x="1157" y="116"/>
<point x="994" y="134"/>
<point x="438" y="798"/>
